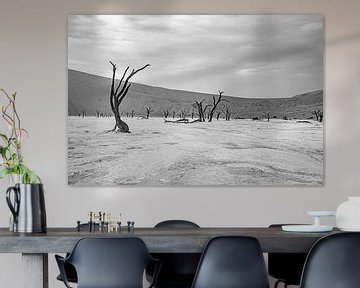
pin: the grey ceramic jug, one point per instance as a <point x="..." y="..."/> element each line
<point x="27" y="207"/>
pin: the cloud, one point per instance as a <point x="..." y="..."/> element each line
<point x="203" y="52"/>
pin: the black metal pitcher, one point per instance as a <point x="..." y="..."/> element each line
<point x="28" y="208"/>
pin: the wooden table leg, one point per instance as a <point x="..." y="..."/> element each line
<point x="35" y="270"/>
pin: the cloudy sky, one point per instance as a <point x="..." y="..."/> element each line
<point x="254" y="56"/>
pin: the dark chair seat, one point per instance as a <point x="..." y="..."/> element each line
<point x="70" y="273"/>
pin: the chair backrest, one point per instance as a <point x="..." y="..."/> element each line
<point x="286" y="266"/>
<point x="110" y="262"/>
<point x="333" y="262"/>
<point x="176" y="224"/>
<point x="178" y="269"/>
<point x="232" y="262"/>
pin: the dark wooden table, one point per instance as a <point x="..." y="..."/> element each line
<point x="35" y="247"/>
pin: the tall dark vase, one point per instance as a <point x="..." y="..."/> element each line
<point x="27" y="204"/>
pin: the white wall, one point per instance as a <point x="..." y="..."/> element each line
<point x="33" y="62"/>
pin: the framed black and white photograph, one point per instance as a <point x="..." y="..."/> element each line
<point x="176" y="100"/>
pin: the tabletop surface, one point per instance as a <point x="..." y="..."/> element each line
<point x="158" y="240"/>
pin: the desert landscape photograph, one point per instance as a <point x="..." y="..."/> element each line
<point x="179" y="100"/>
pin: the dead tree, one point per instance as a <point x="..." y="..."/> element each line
<point x="227" y="112"/>
<point x="201" y="109"/>
<point x="321" y="115"/>
<point x="318" y="114"/>
<point x="83" y="113"/>
<point x="267" y="115"/>
<point x="148" y="111"/>
<point x="118" y="94"/>
<point x="218" y="116"/>
<point x="132" y="113"/>
<point x="173" y="114"/>
<point x="215" y="104"/>
<point x="166" y="113"/>
<point x="182" y="114"/>
<point x="97" y="112"/>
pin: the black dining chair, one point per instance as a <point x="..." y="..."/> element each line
<point x="286" y="267"/>
<point x="178" y="269"/>
<point x="333" y="262"/>
<point x="232" y="262"/>
<point x="70" y="271"/>
<point x="108" y="263"/>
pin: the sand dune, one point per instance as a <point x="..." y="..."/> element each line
<point x="90" y="93"/>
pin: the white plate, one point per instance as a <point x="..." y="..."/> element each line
<point x="306" y="228"/>
<point x="321" y="213"/>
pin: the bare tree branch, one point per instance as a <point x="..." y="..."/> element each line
<point x="215" y="104"/>
<point x="116" y="96"/>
